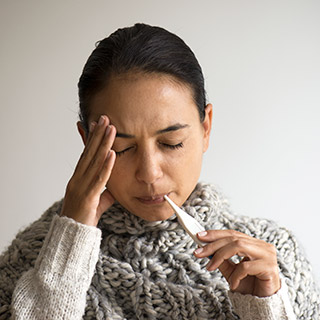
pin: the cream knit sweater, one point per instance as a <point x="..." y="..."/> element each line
<point x="128" y="268"/>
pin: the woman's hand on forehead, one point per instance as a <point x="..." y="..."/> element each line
<point x="86" y="197"/>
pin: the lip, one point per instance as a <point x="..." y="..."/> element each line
<point x="152" y="199"/>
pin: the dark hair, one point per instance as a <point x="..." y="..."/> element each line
<point x="141" y="48"/>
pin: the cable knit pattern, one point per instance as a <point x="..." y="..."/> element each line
<point x="144" y="270"/>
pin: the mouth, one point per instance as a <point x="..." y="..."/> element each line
<point x="153" y="199"/>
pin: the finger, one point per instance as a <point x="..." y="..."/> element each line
<point x="99" y="169"/>
<point x="257" y="268"/>
<point x="92" y="125"/>
<point x="104" y="174"/>
<point x="106" y="200"/>
<point x="91" y="129"/>
<point x="227" y="268"/>
<point x="213" y="247"/>
<point x="251" y="249"/>
<point x="212" y="235"/>
<point x="92" y="145"/>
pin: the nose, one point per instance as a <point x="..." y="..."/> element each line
<point x="148" y="168"/>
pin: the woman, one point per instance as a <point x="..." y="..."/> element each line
<point x="113" y="248"/>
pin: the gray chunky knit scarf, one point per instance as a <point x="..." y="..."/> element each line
<point x="146" y="270"/>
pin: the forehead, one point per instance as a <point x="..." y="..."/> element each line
<point x="144" y="99"/>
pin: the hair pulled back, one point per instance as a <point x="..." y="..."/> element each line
<point x="141" y="48"/>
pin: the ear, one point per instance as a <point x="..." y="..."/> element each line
<point x="82" y="132"/>
<point x="207" y="123"/>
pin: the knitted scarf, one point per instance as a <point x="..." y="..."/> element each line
<point x="147" y="270"/>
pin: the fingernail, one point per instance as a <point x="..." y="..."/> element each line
<point x="101" y="120"/>
<point x="109" y="154"/>
<point x="198" y="251"/>
<point x="202" y="233"/>
<point x="108" y="130"/>
<point x="92" y="125"/>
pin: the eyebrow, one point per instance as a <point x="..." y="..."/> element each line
<point x="174" y="127"/>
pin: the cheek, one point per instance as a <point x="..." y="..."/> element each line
<point x="187" y="162"/>
<point x="119" y="174"/>
<point x="194" y="152"/>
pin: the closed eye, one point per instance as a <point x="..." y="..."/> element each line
<point x="172" y="146"/>
<point x="120" y="153"/>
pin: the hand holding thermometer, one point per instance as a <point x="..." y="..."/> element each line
<point x="189" y="224"/>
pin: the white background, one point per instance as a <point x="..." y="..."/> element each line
<point x="262" y="71"/>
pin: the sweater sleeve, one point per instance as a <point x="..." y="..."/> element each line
<point x="56" y="287"/>
<point x="275" y="307"/>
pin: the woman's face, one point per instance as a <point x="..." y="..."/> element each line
<point x="159" y="144"/>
